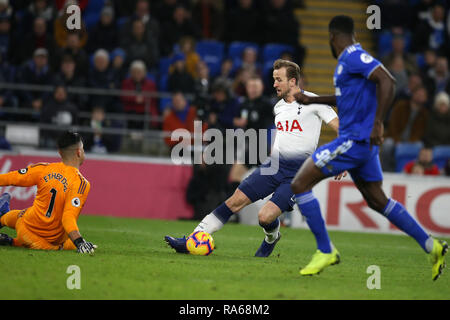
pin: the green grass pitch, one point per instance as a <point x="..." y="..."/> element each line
<point x="133" y="262"/>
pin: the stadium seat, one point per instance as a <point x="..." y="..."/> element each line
<point x="273" y="51"/>
<point x="212" y="53"/>
<point x="92" y="13"/>
<point x="235" y="49"/>
<point x="164" y="65"/>
<point x="163" y="84"/>
<point x="441" y="154"/>
<point x="384" y="43"/>
<point x="164" y="103"/>
<point x="405" y="152"/>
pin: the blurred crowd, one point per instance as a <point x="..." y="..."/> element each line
<point x="414" y="46"/>
<point x="145" y="46"/>
<point x="213" y="57"/>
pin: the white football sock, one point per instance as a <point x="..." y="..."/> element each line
<point x="272" y="235"/>
<point x="209" y="224"/>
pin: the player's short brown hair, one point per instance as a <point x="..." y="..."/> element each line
<point x="292" y="69"/>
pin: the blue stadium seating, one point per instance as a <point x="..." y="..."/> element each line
<point x="164" y="103"/>
<point x="164" y="64"/>
<point x="236" y="48"/>
<point x="273" y="51"/>
<point x="441" y="154"/>
<point x="405" y="152"/>
<point x="385" y="43"/>
<point x="212" y="53"/>
<point x="163" y="84"/>
<point x="92" y="13"/>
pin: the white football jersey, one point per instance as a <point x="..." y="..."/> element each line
<point x="298" y="127"/>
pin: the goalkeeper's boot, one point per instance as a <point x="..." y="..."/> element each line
<point x="5" y="240"/>
<point x="4" y="203"/>
<point x="440" y="248"/>
<point x="179" y="244"/>
<point x="266" y="248"/>
<point x="320" y="261"/>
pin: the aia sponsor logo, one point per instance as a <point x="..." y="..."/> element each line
<point x="289" y="126"/>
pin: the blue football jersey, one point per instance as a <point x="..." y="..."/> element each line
<point x="355" y="94"/>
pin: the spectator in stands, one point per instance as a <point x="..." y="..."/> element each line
<point x="400" y="63"/>
<point x="241" y="78"/>
<point x="59" y="110"/>
<point x="38" y="38"/>
<point x="5" y="9"/>
<point x="7" y="97"/>
<point x="77" y="52"/>
<point x="208" y="15"/>
<point x="407" y="123"/>
<point x="429" y="57"/>
<point x="98" y="141"/>
<point x="38" y="8"/>
<point x="280" y="26"/>
<point x="423" y="164"/>
<point x="414" y="81"/>
<point x="179" y="77"/>
<point x="223" y="110"/>
<point x="67" y="77"/>
<point x="151" y="32"/>
<point x="36" y="71"/>
<point x="104" y="34"/>
<point x="142" y="12"/>
<point x="243" y="23"/>
<point x="181" y="116"/>
<point x="408" y="119"/>
<point x="118" y="58"/>
<point x="102" y="77"/>
<point x="256" y="109"/>
<point x="6" y="41"/>
<point x="226" y="72"/>
<point x="174" y="29"/>
<point x="140" y="45"/>
<point x="420" y="11"/>
<point x="137" y="104"/>
<point x="201" y="88"/>
<point x="61" y="32"/>
<point x="430" y="32"/>
<point x="249" y="61"/>
<point x="187" y="47"/>
<point x="438" y="78"/>
<point x="438" y="128"/>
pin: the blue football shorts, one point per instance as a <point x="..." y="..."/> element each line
<point x="258" y="185"/>
<point x="359" y="158"/>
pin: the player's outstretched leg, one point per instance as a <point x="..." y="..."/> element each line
<point x="397" y="214"/>
<point x="440" y="249"/>
<point x="326" y="255"/>
<point x="213" y="221"/>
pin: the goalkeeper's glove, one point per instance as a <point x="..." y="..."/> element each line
<point x="83" y="246"/>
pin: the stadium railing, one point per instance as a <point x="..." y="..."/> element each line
<point x="134" y="141"/>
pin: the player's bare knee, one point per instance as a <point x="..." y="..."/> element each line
<point x="264" y="217"/>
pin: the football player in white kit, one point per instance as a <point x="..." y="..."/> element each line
<point x="298" y="131"/>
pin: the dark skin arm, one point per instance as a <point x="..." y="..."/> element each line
<point x="304" y="99"/>
<point x="385" y="96"/>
